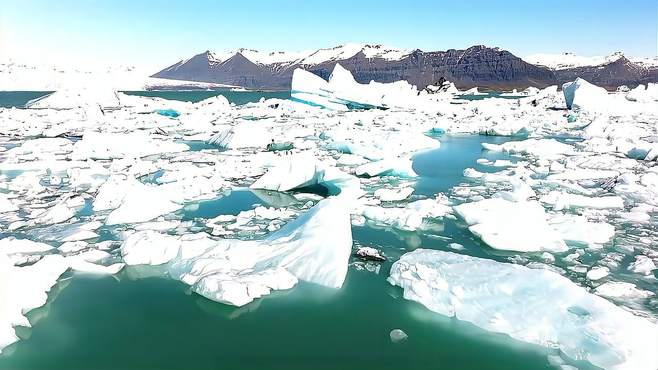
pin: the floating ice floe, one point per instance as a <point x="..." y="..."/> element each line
<point x="23" y="289"/>
<point x="369" y="253"/>
<point x="393" y="195"/>
<point x="96" y="145"/>
<point x="302" y="171"/>
<point x="242" y="135"/>
<point x="410" y="217"/>
<point x="531" y="305"/>
<point x="315" y="248"/>
<point x="505" y="225"/>
<point x="642" y="265"/>
<point x="536" y="147"/>
<point x="644" y="94"/>
<point x="561" y="200"/>
<point x="402" y="167"/>
<point x="142" y="203"/>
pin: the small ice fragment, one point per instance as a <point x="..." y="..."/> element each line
<point x="369" y="253"/>
<point x="643" y="265"/>
<point x="397" y="335"/>
<point x="598" y="273"/>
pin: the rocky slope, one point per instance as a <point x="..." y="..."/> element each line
<point x="480" y="66"/>
<point x="610" y="71"/>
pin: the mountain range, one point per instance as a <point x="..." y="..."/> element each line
<point x="481" y="66"/>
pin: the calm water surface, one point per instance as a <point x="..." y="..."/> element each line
<point x="141" y="319"/>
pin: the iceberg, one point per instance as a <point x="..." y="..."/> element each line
<point x="393" y="195"/>
<point x="95" y="145"/>
<point x="342" y="92"/>
<point x="535" y="147"/>
<point x="578" y="230"/>
<point x="6" y="205"/>
<point x="300" y="171"/>
<point x="515" y="226"/>
<point x="243" y="135"/>
<point x="562" y="200"/>
<point x="537" y="306"/>
<point x="643" y="94"/>
<point x="582" y="95"/>
<point x="315" y="248"/>
<point x="143" y="203"/>
<point x="310" y="89"/>
<point x="402" y="167"/>
<point x="23" y="289"/>
<point x="409" y="217"/>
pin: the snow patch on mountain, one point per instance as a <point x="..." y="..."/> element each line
<point x="571" y="60"/>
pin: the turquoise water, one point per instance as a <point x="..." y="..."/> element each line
<point x="236" y="97"/>
<point x="441" y="169"/>
<point x="18" y="99"/>
<point x="486" y="95"/>
<point x="233" y="204"/>
<point x="141" y="319"/>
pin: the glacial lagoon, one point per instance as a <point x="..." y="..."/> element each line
<point x="140" y="318"/>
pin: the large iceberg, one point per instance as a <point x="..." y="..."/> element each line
<point x="342" y="91"/>
<point x="315" y="248"/>
<point x="582" y="95"/>
<point x="532" y="305"/>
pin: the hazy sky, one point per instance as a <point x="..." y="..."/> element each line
<point x="159" y="32"/>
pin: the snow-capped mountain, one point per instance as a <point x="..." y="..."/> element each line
<point x="476" y="66"/>
<point x="608" y="71"/>
<point x="312" y="57"/>
<point x="571" y="60"/>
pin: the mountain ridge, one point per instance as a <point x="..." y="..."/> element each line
<point x="479" y="65"/>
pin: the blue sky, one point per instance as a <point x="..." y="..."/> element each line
<point x="159" y="32"/>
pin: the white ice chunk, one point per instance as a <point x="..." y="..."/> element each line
<point x="303" y="170"/>
<point x="393" y="195"/>
<point x="578" y="230"/>
<point x="149" y="248"/>
<point x="582" y="95"/>
<point x="562" y="200"/>
<point x="531" y="305"/>
<point x="136" y="144"/>
<point x="313" y="90"/>
<point x="143" y="203"/>
<point x="619" y="289"/>
<point x="401" y="167"/>
<point x="536" y="147"/>
<point x="315" y="248"/>
<point x="518" y="226"/>
<point x="642" y="265"/>
<point x="12" y="245"/>
<point x="598" y="273"/>
<point x="6" y="205"/>
<point x="23" y="289"/>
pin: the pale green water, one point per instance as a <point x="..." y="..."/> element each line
<point x="18" y="99"/>
<point x="236" y="97"/>
<point x="133" y="321"/>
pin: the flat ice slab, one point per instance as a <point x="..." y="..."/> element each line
<point x="505" y="225"/>
<point x="531" y="305"/>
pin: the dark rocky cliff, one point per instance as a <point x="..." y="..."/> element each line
<point x="619" y="72"/>
<point x="479" y="66"/>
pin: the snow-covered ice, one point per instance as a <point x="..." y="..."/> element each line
<point x="531" y="305"/>
<point x="93" y="180"/>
